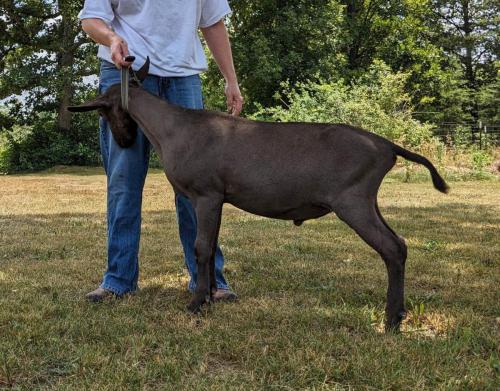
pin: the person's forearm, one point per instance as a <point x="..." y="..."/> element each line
<point x="218" y="43"/>
<point x="99" y="31"/>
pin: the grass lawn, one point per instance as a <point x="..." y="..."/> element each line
<point x="311" y="298"/>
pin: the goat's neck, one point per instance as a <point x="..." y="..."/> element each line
<point x="154" y="116"/>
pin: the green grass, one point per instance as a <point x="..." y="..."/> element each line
<point x="311" y="298"/>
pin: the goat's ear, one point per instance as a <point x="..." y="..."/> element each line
<point x="88" y="106"/>
<point x="143" y="72"/>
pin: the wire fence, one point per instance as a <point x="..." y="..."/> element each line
<point x="482" y="135"/>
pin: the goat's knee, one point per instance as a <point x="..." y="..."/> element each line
<point x="202" y="251"/>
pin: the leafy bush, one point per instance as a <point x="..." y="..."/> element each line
<point x="13" y="145"/>
<point x="480" y="161"/>
<point x="5" y="155"/>
<point x="376" y="102"/>
<point x="41" y="145"/>
<point x="462" y="138"/>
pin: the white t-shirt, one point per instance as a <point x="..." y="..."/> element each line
<point x="164" y="30"/>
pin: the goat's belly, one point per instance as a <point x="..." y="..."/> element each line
<point x="288" y="196"/>
<point x="282" y="211"/>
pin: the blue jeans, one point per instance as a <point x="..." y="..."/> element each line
<point x="126" y="171"/>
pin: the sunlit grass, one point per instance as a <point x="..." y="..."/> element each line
<point x="311" y="298"/>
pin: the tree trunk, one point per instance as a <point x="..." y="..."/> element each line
<point x="352" y="12"/>
<point x="67" y="90"/>
<point x="65" y="65"/>
<point x="467" y="28"/>
<point x="470" y="75"/>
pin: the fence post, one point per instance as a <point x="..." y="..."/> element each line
<point x="485" y="137"/>
<point x="479" y="126"/>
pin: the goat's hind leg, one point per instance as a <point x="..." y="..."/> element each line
<point x="363" y="216"/>
<point x="208" y="215"/>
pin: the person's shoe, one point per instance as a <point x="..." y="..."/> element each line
<point x="224" y="295"/>
<point x="99" y="295"/>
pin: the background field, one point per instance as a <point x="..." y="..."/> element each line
<point x="311" y="298"/>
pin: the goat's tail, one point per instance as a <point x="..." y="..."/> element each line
<point x="437" y="180"/>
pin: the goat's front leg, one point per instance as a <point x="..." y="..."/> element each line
<point x="208" y="215"/>
<point x="213" y="279"/>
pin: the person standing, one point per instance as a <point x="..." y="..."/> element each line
<point x="167" y="32"/>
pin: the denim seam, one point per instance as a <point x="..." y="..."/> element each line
<point x="118" y="292"/>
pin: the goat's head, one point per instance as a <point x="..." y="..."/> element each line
<point x="123" y="127"/>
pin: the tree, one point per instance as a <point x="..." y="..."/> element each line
<point x="44" y="54"/>
<point x="470" y="33"/>
<point x="365" y="28"/>
<point x="276" y="40"/>
<point x="44" y="57"/>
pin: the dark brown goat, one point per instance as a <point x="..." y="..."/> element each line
<point x="291" y="171"/>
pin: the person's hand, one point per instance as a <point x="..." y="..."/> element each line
<point x="234" y="98"/>
<point x="119" y="50"/>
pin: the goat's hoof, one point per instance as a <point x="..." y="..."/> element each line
<point x="196" y="305"/>
<point x="193" y="308"/>
<point x="393" y="324"/>
<point x="392" y="328"/>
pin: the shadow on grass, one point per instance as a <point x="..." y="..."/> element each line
<point x="445" y="213"/>
<point x="448" y="223"/>
<point x="78" y="171"/>
<point x="267" y="259"/>
<point x="161" y="293"/>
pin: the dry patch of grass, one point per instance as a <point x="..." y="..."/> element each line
<point x="311" y="305"/>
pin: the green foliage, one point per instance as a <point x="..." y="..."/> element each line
<point x="14" y="143"/>
<point x="42" y="144"/>
<point x="462" y="138"/>
<point x="489" y="99"/>
<point x="44" y="56"/>
<point x="433" y="245"/>
<point x="376" y="101"/>
<point x="468" y="33"/>
<point x="275" y="41"/>
<point x="441" y="66"/>
<point x="447" y="99"/>
<point x="5" y="155"/>
<point x="480" y="161"/>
